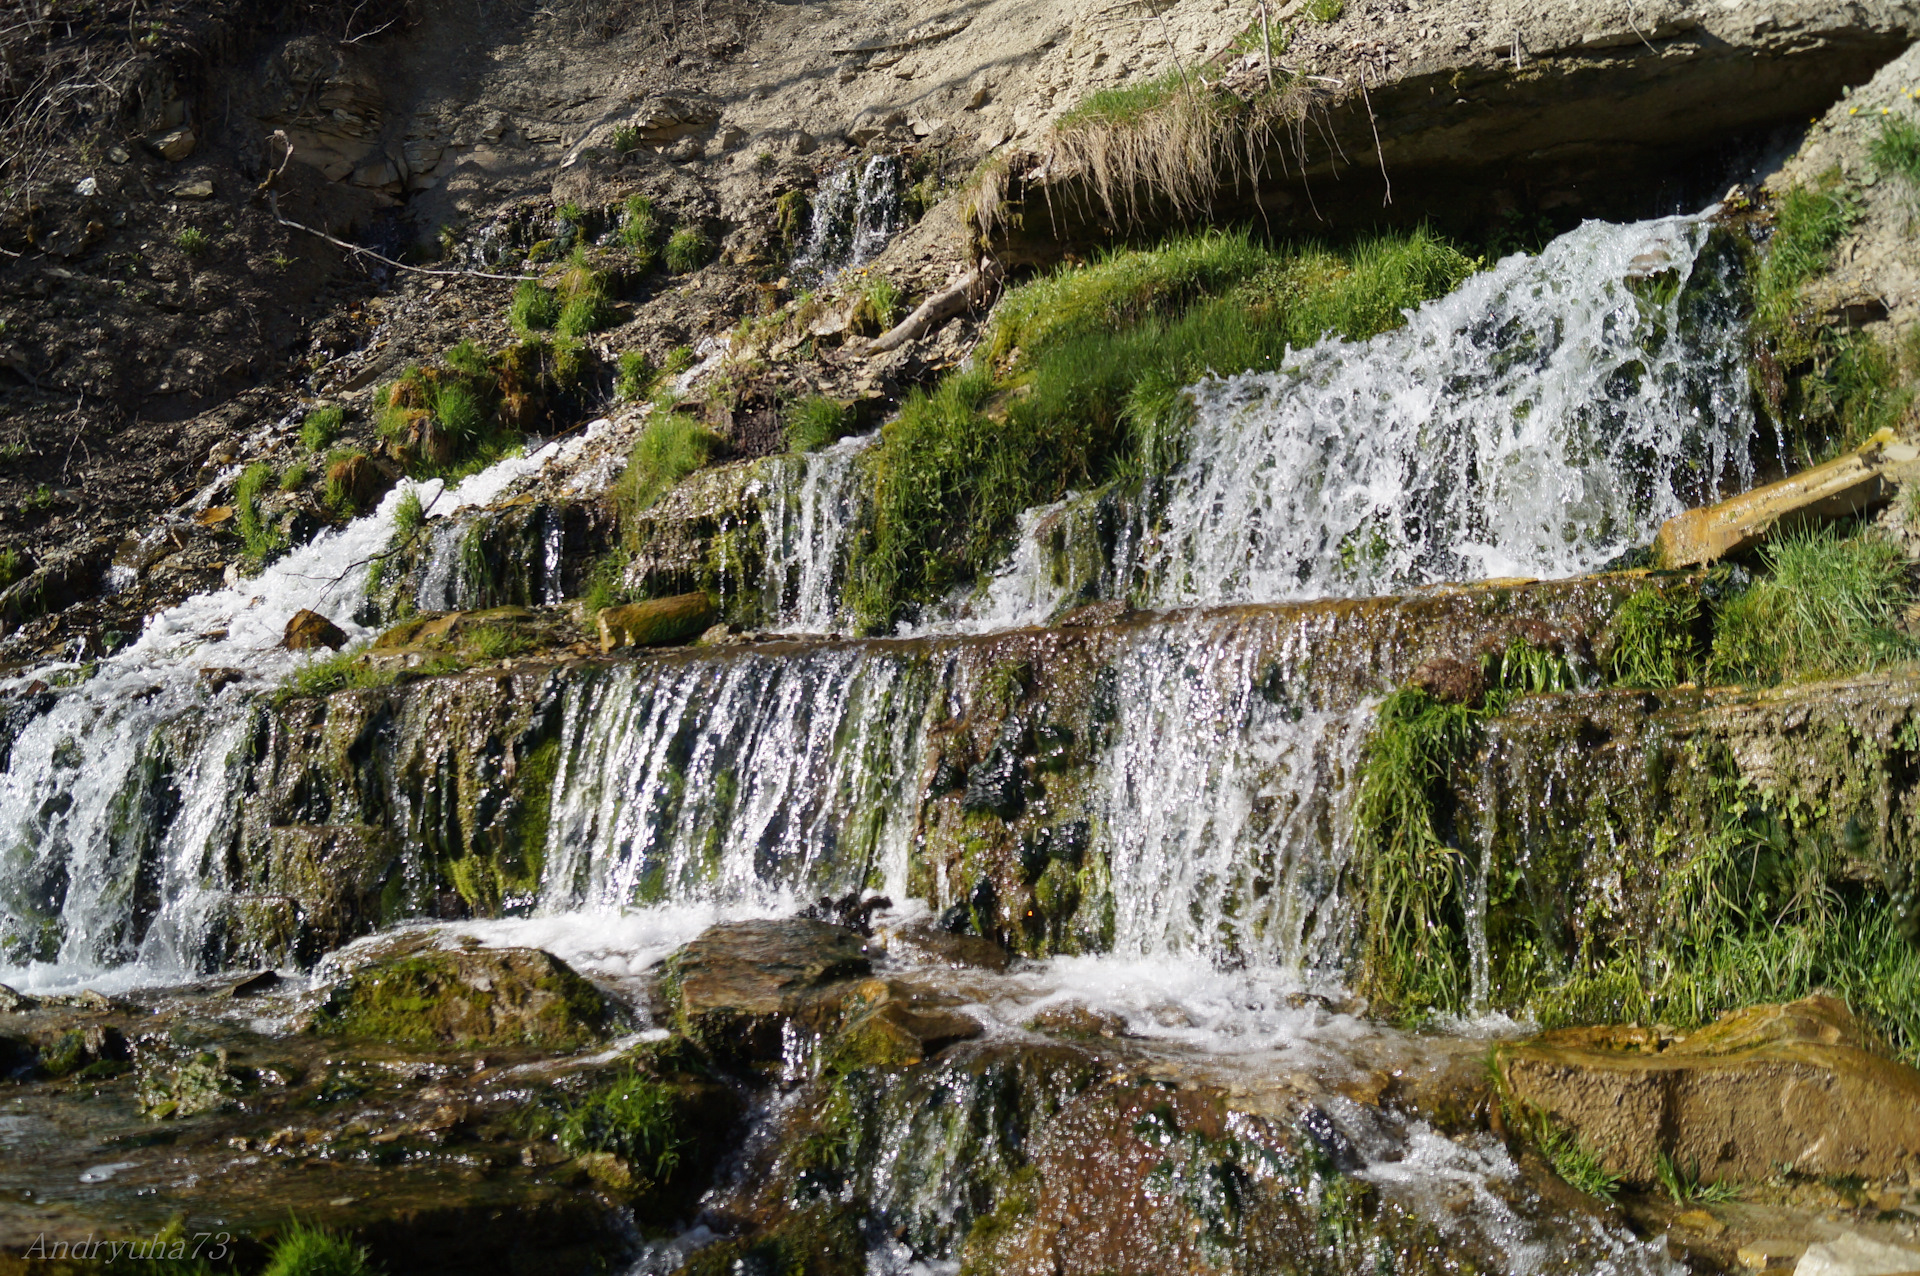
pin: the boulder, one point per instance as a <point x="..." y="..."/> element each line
<point x="1850" y="1254"/>
<point x="1846" y="487"/>
<point x="174" y="144"/>
<point x="307" y="630"/>
<point x="661" y="622"/>
<point x="1449" y="681"/>
<point x="1799" y="1085"/>
<point x="417" y="994"/>
<point x="740" y="988"/>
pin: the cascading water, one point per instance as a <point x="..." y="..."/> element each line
<point x="122" y="783"/>
<point x="806" y="528"/>
<point x="856" y="213"/>
<point x="1548" y="414"/>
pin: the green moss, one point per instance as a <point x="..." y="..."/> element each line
<point x="435" y="998"/>
<point x="822" y="1240"/>
<point x="1827" y="604"/>
<point x="304" y="1250"/>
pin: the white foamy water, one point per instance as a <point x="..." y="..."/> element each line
<point x="119" y="798"/>
<point x="806" y="524"/>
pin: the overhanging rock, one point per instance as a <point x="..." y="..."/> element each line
<point x="1579" y="107"/>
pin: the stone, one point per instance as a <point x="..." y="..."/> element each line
<point x="661" y="622"/>
<point x="1699" y="1221"/>
<point x="1797" y="1085"/>
<point x="1846" y="487"/>
<point x="1449" y="681"/>
<point x="1076" y="1019"/>
<point x="214" y="517"/>
<point x="219" y="677"/>
<point x="12" y="1002"/>
<point x="1769" y="1255"/>
<point x="418" y="994"/>
<point x="734" y="987"/>
<point x="202" y="189"/>
<point x="1851" y="1254"/>
<point x="178" y="1083"/>
<point x="174" y="145"/>
<point x="307" y="630"/>
<point x="927" y="944"/>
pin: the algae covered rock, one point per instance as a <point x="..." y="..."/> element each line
<point x="429" y="996"/>
<point x="309" y="629"/>
<point x="1799" y="1085"/>
<point x="657" y="623"/>
<point x="185" y="1082"/>
<point x="733" y="988"/>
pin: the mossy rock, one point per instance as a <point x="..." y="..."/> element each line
<point x="824" y="1240"/>
<point x="658" y="623"/>
<point x="183" y="1083"/>
<point x="468" y="997"/>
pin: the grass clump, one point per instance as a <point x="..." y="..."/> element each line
<point x="1094" y="364"/>
<point x="1326" y="10"/>
<point x="584" y="304"/>
<point x="534" y="308"/>
<point x="1654" y="639"/>
<point x="1827" y="605"/>
<point x="342" y="671"/>
<point x="1126" y="104"/>
<point x="637" y="376"/>
<point x="638" y="225"/>
<point x="1683" y="1186"/>
<point x="671" y="447"/>
<point x="321" y="427"/>
<point x="193" y="241"/>
<point x="314" y="1251"/>
<point x="263" y="542"/>
<point x="410" y="514"/>
<point x="687" y="250"/>
<point x="1407" y="870"/>
<point x="637" y="1119"/>
<point x="13" y="566"/>
<point x="294" y="477"/>
<point x="1897" y="150"/>
<point x="625" y="138"/>
<point x="814" y="422"/>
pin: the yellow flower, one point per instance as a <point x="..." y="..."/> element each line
<point x="1853" y="110"/>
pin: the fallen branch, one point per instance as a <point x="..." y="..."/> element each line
<point x="937" y="309"/>
<point x="273" y="206"/>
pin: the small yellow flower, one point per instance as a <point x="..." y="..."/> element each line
<point x="1885" y="111"/>
<point x="1853" y="110"/>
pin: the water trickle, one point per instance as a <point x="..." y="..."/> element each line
<point x="856" y="213"/>
<point x="812" y="506"/>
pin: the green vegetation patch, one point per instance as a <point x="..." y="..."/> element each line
<point x="463" y="414"/>
<point x="672" y="446"/>
<point x="1896" y="151"/>
<point x="1826" y="604"/>
<point x="305" y="1250"/>
<point x="1093" y="365"/>
<point x="814" y="422"/>
<point x="264" y="543"/>
<point x="321" y="427"/>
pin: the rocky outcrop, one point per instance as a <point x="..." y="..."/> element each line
<point x="1798" y="1086"/>
<point x="414" y="992"/>
<point x="657" y="623"/>
<point x="1574" y="105"/>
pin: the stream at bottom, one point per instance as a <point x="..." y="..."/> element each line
<point x="1248" y="1118"/>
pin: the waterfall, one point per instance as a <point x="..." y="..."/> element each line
<point x="809" y="514"/>
<point x="1548" y="414"/>
<point x="123" y="779"/>
<point x="856" y="213"/>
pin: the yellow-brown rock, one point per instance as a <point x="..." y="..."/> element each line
<point x="656" y="623"/>
<point x="309" y="629"/>
<point x="1861" y="481"/>
<point x="1798" y="1085"/>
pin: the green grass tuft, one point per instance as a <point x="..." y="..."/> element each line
<point x="1682" y="1183"/>
<point x="638" y="225"/>
<point x="1326" y="10"/>
<point x="687" y="250"/>
<point x="637" y="376"/>
<point x="1127" y="104"/>
<point x="1897" y="150"/>
<point x="295" y="476"/>
<point x="410" y="514"/>
<point x="315" y="1251"/>
<point x="533" y="309"/>
<point x="1654" y="639"/>
<point x="636" y="1119"/>
<point x="263" y="542"/>
<point x="193" y="241"/>
<point x="1827" y="605"/>
<point x="322" y="427"/>
<point x="814" y="422"/>
<point x="670" y="448"/>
